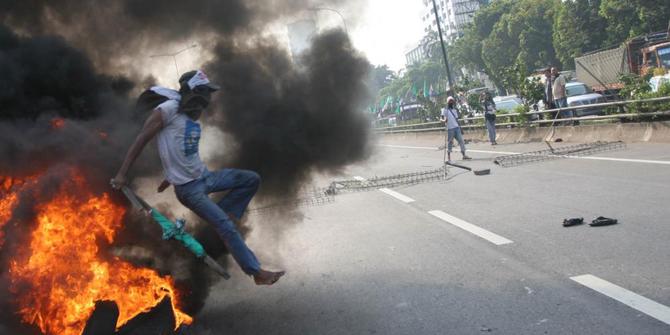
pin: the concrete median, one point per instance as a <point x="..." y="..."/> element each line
<point x="652" y="132"/>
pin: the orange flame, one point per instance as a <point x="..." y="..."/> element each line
<point x="57" y="123"/>
<point x="64" y="274"/>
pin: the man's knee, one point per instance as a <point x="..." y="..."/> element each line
<point x="253" y="178"/>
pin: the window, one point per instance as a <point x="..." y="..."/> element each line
<point x="574" y="90"/>
<point x="664" y="56"/>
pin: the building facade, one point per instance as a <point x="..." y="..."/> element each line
<point x="454" y="15"/>
<point x="415" y="55"/>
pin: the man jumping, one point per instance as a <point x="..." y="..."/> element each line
<point x="175" y="122"/>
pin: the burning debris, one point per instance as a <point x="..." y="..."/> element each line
<point x="62" y="273"/>
<point x="67" y="116"/>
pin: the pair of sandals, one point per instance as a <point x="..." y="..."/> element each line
<point x="597" y="222"/>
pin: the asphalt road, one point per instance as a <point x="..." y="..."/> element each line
<point x="369" y="263"/>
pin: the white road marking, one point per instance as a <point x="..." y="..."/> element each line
<point x="407" y="147"/>
<point x="495" y="152"/>
<point x="469" y="227"/>
<point x="397" y="195"/>
<point x="647" y="161"/>
<point x="633" y="300"/>
<point x="359" y="178"/>
<point x="611" y="159"/>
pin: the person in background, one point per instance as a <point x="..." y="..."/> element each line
<point x="489" y="106"/>
<point x="548" y="95"/>
<point x="558" y="92"/>
<point x="450" y="119"/>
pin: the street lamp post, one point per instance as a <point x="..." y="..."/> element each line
<point x="444" y="50"/>
<point x="344" y="22"/>
<point x="174" y="55"/>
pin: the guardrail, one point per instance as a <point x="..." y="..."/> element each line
<point x="439" y="125"/>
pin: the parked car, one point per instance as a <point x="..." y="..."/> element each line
<point x="580" y="94"/>
<point x="507" y="103"/>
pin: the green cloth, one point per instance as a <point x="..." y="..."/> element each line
<point x="170" y="231"/>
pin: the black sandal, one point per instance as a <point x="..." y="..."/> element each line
<point x="572" y="222"/>
<point x="602" y="221"/>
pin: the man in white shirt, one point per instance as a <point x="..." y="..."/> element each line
<point x="558" y="92"/>
<point x="175" y="124"/>
<point x="450" y="119"/>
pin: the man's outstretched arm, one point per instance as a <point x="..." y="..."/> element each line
<point x="151" y="127"/>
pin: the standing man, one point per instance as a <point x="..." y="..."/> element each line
<point x="489" y="106"/>
<point x="450" y="119"/>
<point x="548" y="95"/>
<point x="176" y="123"/>
<point x="558" y="91"/>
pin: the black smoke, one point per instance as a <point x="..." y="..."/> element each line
<point x="289" y="120"/>
<point x="68" y="85"/>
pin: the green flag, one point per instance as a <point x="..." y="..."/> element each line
<point x="414" y="90"/>
<point x="425" y="89"/>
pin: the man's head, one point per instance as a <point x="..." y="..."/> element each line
<point x="451" y="102"/>
<point x="196" y="91"/>
<point x="547" y="72"/>
<point x="554" y="71"/>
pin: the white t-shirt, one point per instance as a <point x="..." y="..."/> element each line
<point x="178" y="143"/>
<point x="451" y="114"/>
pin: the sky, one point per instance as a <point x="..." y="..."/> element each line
<point x="387" y="29"/>
<point x="383" y="30"/>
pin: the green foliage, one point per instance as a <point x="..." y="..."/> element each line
<point x="430" y="111"/>
<point x="578" y="28"/>
<point x="664" y="90"/>
<point x="473" y="102"/>
<point x="380" y="77"/>
<point x="525" y="35"/>
<point x="635" y="86"/>
<point x="629" y="18"/>
<point x="532" y="91"/>
<point x="523" y="117"/>
<point x="521" y="41"/>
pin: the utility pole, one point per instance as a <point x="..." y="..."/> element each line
<point x="344" y="22"/>
<point x="444" y="50"/>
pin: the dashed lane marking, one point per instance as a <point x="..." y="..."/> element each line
<point x="631" y="299"/>
<point x="397" y="195"/>
<point x="469" y="227"/>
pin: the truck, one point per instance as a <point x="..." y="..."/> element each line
<point x="601" y="69"/>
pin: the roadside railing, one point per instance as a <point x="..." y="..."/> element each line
<point x="472" y="122"/>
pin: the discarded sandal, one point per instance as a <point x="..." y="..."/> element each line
<point x="602" y="221"/>
<point x="572" y="222"/>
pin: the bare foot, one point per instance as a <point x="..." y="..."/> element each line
<point x="267" y="277"/>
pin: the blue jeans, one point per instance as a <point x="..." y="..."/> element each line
<point x="455" y="133"/>
<point x="491" y="127"/>
<point x="563" y="103"/>
<point x="243" y="185"/>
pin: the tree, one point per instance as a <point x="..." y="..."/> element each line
<point x="621" y="17"/>
<point x="380" y="77"/>
<point x="630" y="18"/>
<point x="578" y="27"/>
